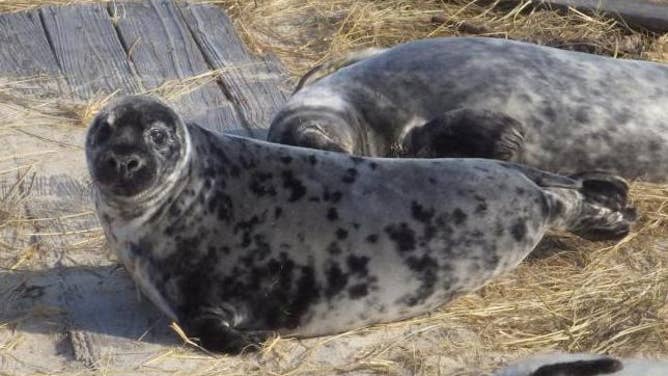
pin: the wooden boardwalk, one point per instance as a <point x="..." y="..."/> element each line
<point x="73" y="308"/>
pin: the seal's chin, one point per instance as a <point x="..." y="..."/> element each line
<point x="135" y="189"/>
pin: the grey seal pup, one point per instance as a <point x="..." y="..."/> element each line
<point x="237" y="238"/>
<point x="557" y="110"/>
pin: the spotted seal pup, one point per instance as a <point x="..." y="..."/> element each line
<point x="557" y="110"/>
<point x="562" y="364"/>
<point x="236" y="238"/>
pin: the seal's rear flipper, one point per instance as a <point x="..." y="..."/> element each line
<point x="594" y="367"/>
<point x="597" y="210"/>
<point x="466" y="133"/>
<point x="606" y="189"/>
<point x="216" y="336"/>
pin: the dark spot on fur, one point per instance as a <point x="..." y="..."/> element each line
<point x="246" y="228"/>
<point x="341" y="233"/>
<point x="498" y="230"/>
<point x="296" y="188"/>
<point x="357" y="291"/>
<point x="261" y="184"/>
<point x="403" y="236"/>
<point x="278" y="211"/>
<point x="350" y="176"/>
<point x="426" y="269"/>
<point x="332" y="197"/>
<point x="481" y="207"/>
<point x="550" y="114"/>
<point x="332" y="214"/>
<point x="308" y="293"/>
<point x="312" y="160"/>
<point x="356" y="160"/>
<point x="358" y="265"/>
<point x="459" y="216"/>
<point x="286" y="159"/>
<point x="373" y="165"/>
<point x="336" y="280"/>
<point x="519" y="230"/>
<point x="334" y="248"/>
<point x="420" y="213"/>
<point x="372" y="238"/>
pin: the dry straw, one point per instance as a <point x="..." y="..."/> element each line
<point x="570" y="295"/>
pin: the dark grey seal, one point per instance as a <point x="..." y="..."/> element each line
<point x="556" y="110"/>
<point x="237" y="238"/>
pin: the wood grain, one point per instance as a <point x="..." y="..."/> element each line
<point x="25" y="52"/>
<point x="163" y="50"/>
<point x="253" y="84"/>
<point x="88" y="50"/>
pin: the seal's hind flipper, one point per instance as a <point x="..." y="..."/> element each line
<point x="216" y="336"/>
<point x="609" y="190"/>
<point x="597" y="210"/>
<point x="327" y="68"/>
<point x="466" y="133"/>
<point x="594" y="367"/>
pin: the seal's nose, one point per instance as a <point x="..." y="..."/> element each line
<point x="123" y="165"/>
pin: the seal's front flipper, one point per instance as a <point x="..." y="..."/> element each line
<point x="466" y="133"/>
<point x="594" y="367"/>
<point x="216" y="335"/>
<point x="597" y="210"/>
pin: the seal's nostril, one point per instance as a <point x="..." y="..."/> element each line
<point x="111" y="162"/>
<point x="133" y="164"/>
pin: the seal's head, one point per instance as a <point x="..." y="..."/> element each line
<point x="133" y="145"/>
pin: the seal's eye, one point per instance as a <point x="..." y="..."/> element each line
<point x="158" y="136"/>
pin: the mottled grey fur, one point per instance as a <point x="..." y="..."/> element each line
<point x="563" y="111"/>
<point x="243" y="237"/>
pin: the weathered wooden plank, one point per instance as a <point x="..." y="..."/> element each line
<point x="88" y="50"/>
<point x="253" y="84"/>
<point x="651" y="15"/>
<point x="25" y="51"/>
<point x="162" y="49"/>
